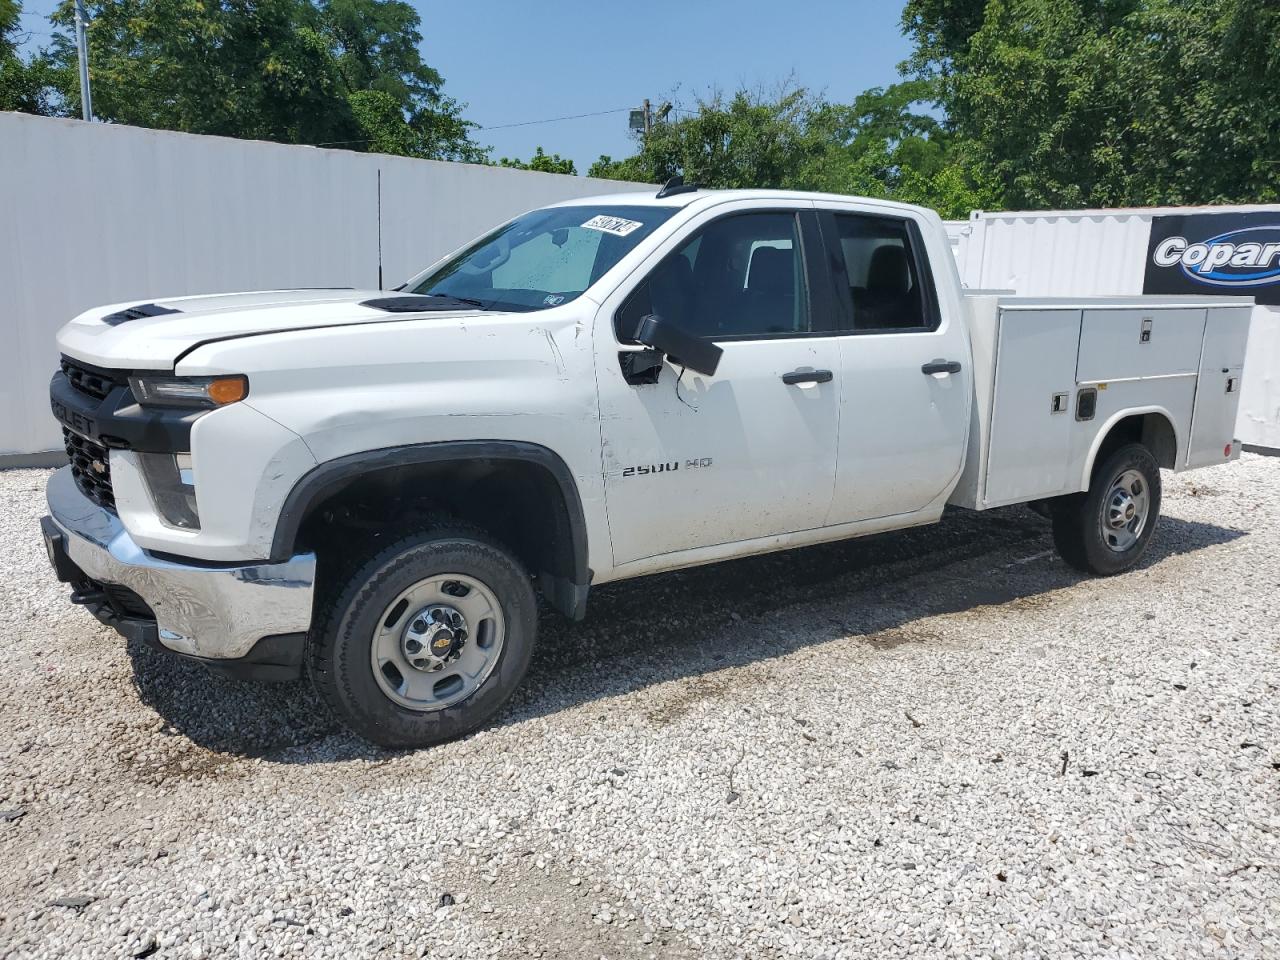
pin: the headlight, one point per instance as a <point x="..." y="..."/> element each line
<point x="173" y="487"/>
<point x="205" y="392"/>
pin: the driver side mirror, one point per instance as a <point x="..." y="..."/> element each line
<point x="700" y="356"/>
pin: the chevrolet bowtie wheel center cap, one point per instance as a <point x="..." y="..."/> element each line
<point x="433" y="637"/>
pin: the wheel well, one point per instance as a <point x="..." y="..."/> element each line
<point x="1152" y="430"/>
<point x="521" y="503"/>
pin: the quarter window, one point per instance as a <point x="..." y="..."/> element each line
<point x="739" y="277"/>
<point x="887" y="288"/>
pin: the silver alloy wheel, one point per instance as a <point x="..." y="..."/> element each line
<point x="437" y="642"/>
<point x="1124" y="511"/>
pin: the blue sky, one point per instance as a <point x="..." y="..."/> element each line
<point x="515" y="61"/>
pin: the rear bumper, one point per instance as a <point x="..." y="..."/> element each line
<point x="213" y="612"/>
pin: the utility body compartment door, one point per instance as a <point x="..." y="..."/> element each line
<point x="1129" y="344"/>
<point x="1033" y="405"/>
<point x="1213" y="420"/>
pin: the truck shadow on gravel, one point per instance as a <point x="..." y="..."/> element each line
<point x="686" y="624"/>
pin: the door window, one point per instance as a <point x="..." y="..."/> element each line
<point x="887" y="288"/>
<point x="739" y="277"/>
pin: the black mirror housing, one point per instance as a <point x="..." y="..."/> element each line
<point x="701" y="356"/>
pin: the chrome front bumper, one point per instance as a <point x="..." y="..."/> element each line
<point x="210" y="611"/>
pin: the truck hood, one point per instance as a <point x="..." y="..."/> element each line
<point x="124" y="336"/>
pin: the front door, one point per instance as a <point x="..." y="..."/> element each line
<point x="905" y="395"/>
<point x="695" y="461"/>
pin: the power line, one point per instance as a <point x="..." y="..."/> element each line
<point x="574" y="116"/>
<point x="337" y="143"/>
<point x="24" y="38"/>
<point x="501" y="126"/>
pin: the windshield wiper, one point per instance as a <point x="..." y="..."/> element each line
<point x="448" y="296"/>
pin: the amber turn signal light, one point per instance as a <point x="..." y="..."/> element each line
<point x="228" y="390"/>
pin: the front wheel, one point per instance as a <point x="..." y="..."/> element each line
<point x="426" y="640"/>
<point x="1107" y="530"/>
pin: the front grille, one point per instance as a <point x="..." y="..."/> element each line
<point x="91" y="468"/>
<point x="91" y="381"/>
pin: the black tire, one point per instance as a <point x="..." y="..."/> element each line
<point x="339" y="650"/>
<point x="1078" y="520"/>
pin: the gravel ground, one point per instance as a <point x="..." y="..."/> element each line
<point x="937" y="743"/>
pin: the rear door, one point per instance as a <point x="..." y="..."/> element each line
<point x="695" y="461"/>
<point x="905" y="386"/>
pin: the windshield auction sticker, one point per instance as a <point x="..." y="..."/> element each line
<point x="615" y="225"/>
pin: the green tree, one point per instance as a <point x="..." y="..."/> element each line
<point x="375" y="48"/>
<point x="337" y="72"/>
<point x="742" y="141"/>
<point x="942" y="30"/>
<point x="1205" y="126"/>
<point x="542" y="162"/>
<point x="888" y="143"/>
<point x="885" y="144"/>
<point x="26" y="83"/>
<point x="10" y="17"/>
<point x="1069" y="103"/>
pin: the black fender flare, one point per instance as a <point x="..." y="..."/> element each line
<point x="567" y="593"/>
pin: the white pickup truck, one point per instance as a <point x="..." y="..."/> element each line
<point x="370" y="487"/>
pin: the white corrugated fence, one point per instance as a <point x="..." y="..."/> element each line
<point x="94" y="213"/>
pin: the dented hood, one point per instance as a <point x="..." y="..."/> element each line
<point x="153" y="334"/>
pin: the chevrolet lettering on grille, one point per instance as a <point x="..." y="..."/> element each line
<point x="73" y="420"/>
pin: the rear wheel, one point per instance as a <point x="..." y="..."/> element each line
<point x="1107" y="530"/>
<point x="426" y="640"/>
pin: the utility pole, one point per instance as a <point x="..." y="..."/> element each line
<point x="643" y="120"/>
<point x="82" y="55"/>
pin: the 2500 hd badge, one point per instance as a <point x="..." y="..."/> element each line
<point x="645" y="469"/>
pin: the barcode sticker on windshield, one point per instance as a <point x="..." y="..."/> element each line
<point x="615" y="225"/>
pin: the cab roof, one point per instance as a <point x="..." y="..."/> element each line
<point x="706" y="197"/>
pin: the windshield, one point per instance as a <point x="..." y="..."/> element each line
<point x="544" y="258"/>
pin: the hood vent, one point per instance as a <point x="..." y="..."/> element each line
<point x="419" y="303"/>
<point x="137" y="313"/>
